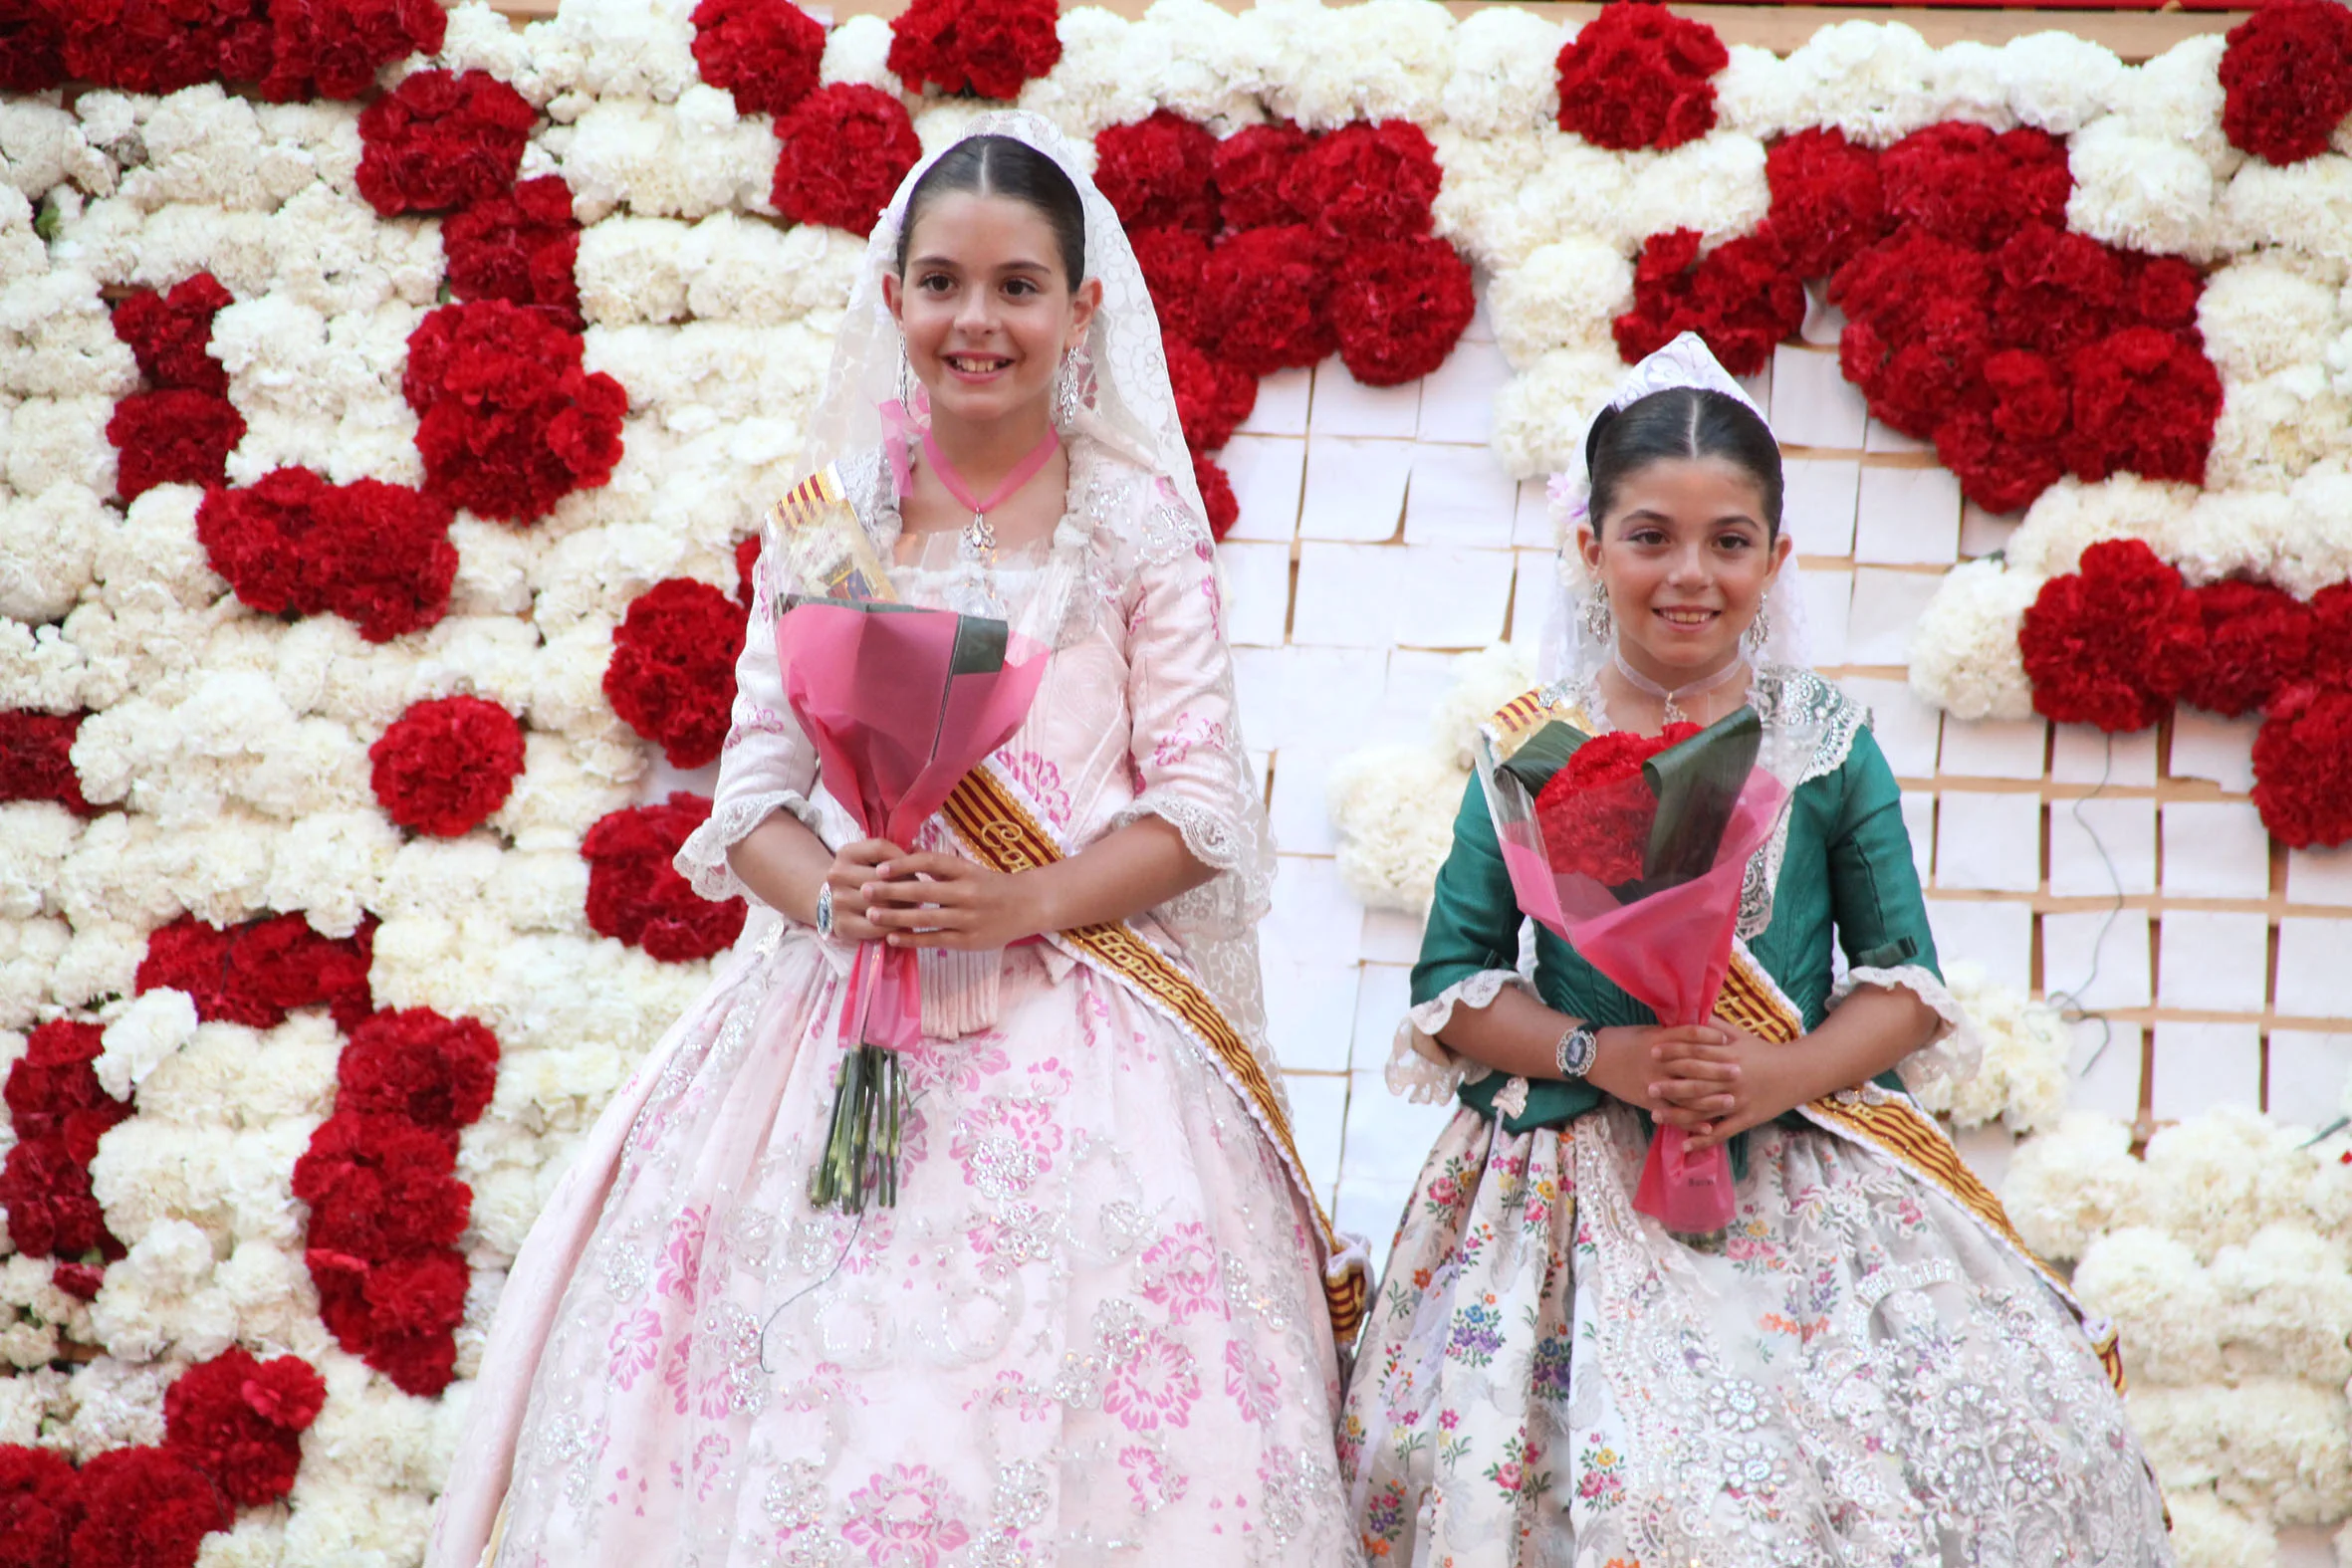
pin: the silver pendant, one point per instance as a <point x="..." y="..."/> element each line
<point x="980" y="540"/>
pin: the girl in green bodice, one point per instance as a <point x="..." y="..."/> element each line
<point x="1866" y="1369"/>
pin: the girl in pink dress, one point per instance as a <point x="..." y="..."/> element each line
<point x="1094" y="1326"/>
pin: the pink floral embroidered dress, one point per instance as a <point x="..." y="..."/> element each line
<point x="1092" y="1329"/>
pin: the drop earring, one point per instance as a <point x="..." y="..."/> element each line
<point x="1758" y="634"/>
<point x="1599" y="624"/>
<point x="1069" y="388"/>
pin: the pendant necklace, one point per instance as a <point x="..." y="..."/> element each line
<point x="1674" y="712"/>
<point x="980" y="539"/>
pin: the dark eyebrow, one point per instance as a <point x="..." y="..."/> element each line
<point x="950" y="264"/>
<point x="1727" y="520"/>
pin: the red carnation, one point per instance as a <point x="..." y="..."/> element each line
<point x="173" y="438"/>
<point x="2112" y="643"/>
<point x="145" y="1508"/>
<point x="400" y="1315"/>
<point x="1172" y="260"/>
<point x="1975" y="186"/>
<point x="2005" y="454"/>
<point x="32" y="60"/>
<point x="1366" y="184"/>
<point x="747" y="562"/>
<point x="2145" y="402"/>
<point x="506" y="421"/>
<point x="1827" y="201"/>
<point x="379" y="1186"/>
<point x="2331" y="635"/>
<point x="53" y="1090"/>
<point x="162" y="46"/>
<point x="518" y="247"/>
<point x="2303" y="765"/>
<point x="844" y="150"/>
<point x="1399" y="309"/>
<point x="1595" y="812"/>
<point x="256" y="973"/>
<point x="40" y="1501"/>
<point x="50" y="1210"/>
<point x="169" y="334"/>
<point x="1893" y="284"/>
<point x="37" y="758"/>
<point x="444" y="766"/>
<point x="82" y="1281"/>
<point x="241" y="1421"/>
<point x="377" y="555"/>
<point x="440" y="140"/>
<point x="1212" y="397"/>
<point x="1262" y="300"/>
<point x="1638" y="75"/>
<point x="334" y="48"/>
<point x="1216" y="496"/>
<point x="765" y="52"/>
<point x="438" y="1072"/>
<point x="636" y="896"/>
<point x="1250" y="169"/>
<point x="2257" y="639"/>
<point x="1740" y="298"/>
<point x="2286" y="79"/>
<point x="2161" y="291"/>
<point x="2056" y="291"/>
<point x="984" y="47"/>
<point x="672" y="675"/>
<point x="1159" y="174"/>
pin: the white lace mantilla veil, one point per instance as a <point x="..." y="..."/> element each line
<point x="1127" y="412"/>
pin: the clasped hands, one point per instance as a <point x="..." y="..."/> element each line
<point x="920" y="899"/>
<point x="1714" y="1079"/>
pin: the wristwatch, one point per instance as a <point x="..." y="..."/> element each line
<point x="1578" y="1050"/>
<point x="824" y="909"/>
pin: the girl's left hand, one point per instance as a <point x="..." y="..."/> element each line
<point x="929" y="900"/>
<point x="1762" y="1088"/>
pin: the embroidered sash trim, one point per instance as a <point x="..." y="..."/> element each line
<point x="991" y="818"/>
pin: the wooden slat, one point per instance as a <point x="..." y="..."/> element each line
<point x="1781" y="28"/>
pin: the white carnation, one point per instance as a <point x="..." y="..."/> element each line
<point x="26" y="1402"/>
<point x="2021" y="1079"/>
<point x="2141" y="192"/>
<point x="158" y="1023"/>
<point x="36" y="838"/>
<point x="2060" y="82"/>
<point x="2207" y="1534"/>
<point x="2220" y="1177"/>
<point x="2258" y="316"/>
<point x="1563" y="295"/>
<point x="94" y="964"/>
<point x="2317" y="549"/>
<point x="545" y="891"/>
<point x="1964" y="650"/>
<point x="1501" y="199"/>
<point x="2275" y="431"/>
<point x="2166" y="1309"/>
<point x="1103" y="78"/>
<point x="200" y="1085"/>
<point x="2306" y="204"/>
<point x="494" y="567"/>
<point x="629" y="153"/>
<point x="488" y="656"/>
<point x="2073" y="1183"/>
<point x="2229" y="532"/>
<point x="2178" y="98"/>
<point x="161" y="1296"/>
<point x="154" y="554"/>
<point x="206" y="147"/>
<point x="1383" y="60"/>
<point x="858" y="51"/>
<point x="61" y="440"/>
<point x="43" y="145"/>
<point x="29" y="951"/>
<point x="1872" y="80"/>
<point x="329" y="865"/>
<point x="40" y="669"/>
<point x="1393" y="806"/>
<point x="1484" y="681"/>
<point x="2286" y="1306"/>
<point x="480" y="39"/>
<point x="1714" y="185"/>
<point x="432" y="875"/>
<point x="22" y="249"/>
<point x="2070" y="516"/>
<point x="1970" y="81"/>
<point x="276" y="1301"/>
<point x="757" y="275"/>
<point x="632" y="270"/>
<point x="2286" y="1452"/>
<point x="1205" y="64"/>
<point x="148" y="1172"/>
<point x="1539" y="417"/>
<point x="114" y="1405"/>
<point x="557" y="800"/>
<point x="56" y="341"/>
<point x="256" y="1540"/>
<point x="1505" y="76"/>
<point x="256" y="1196"/>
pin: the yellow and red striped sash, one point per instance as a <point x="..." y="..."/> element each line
<point x="990" y="819"/>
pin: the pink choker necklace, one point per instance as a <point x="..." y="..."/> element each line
<point x="1674" y="712"/>
<point x="980" y="539"/>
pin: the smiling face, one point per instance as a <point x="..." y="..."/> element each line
<point x="986" y="306"/>
<point x="1686" y="556"/>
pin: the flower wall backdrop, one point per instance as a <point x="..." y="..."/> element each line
<point x="388" y="397"/>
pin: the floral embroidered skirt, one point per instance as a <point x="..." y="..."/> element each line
<point x="1090" y="1331"/>
<point x="1860" y="1377"/>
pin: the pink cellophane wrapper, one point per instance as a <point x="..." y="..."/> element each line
<point x="1669" y="951"/>
<point x="895" y="732"/>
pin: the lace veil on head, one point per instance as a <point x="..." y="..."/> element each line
<point x="1128" y="405"/>
<point x="1569" y="651"/>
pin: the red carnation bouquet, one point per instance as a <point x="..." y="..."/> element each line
<point x="1633" y="849"/>
<point x="988" y="48"/>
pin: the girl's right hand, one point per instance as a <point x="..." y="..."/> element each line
<point x="1682" y="1074"/>
<point x="853" y="867"/>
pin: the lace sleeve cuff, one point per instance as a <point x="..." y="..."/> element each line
<point x="1420" y="1068"/>
<point x="1230" y="902"/>
<point x="1948" y="1061"/>
<point x="702" y="858"/>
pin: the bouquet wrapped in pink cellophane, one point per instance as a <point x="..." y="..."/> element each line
<point x="900" y="703"/>
<point x="1633" y="849"/>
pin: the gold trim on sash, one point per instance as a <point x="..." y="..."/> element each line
<point x="990" y="818"/>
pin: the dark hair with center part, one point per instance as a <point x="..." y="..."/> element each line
<point x="1682" y="422"/>
<point x="1003" y="167"/>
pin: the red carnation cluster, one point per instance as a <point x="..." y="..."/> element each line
<point x="843" y="149"/>
<point x="334" y="48"/>
<point x="377" y="555"/>
<point x="444" y="766"/>
<point x="2113" y="642"/>
<point x="257" y="972"/>
<point x="1275" y="249"/>
<point x="1741" y="297"/>
<point x="387" y="1206"/>
<point x="145" y="1507"/>
<point x="442" y="139"/>
<point x="1638" y="75"/>
<point x="636" y="896"/>
<point x="170" y="333"/>
<point x="672" y="675"/>
<point x="518" y="246"/>
<point x="162" y="46"/>
<point x="181" y="430"/>
<point x="1595" y="812"/>
<point x="747" y="562"/>
<point x="240" y="1421"/>
<point x="985" y="48"/>
<point x="2303" y="765"/>
<point x="508" y="421"/>
<point x="32" y="60"/>
<point x="767" y="53"/>
<point x="40" y="1493"/>
<point x="59" y="1111"/>
<point x="2286" y="79"/>
<point x="37" y="758"/>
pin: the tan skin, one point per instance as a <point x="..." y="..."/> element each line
<point x="987" y="309"/>
<point x="1686" y="559"/>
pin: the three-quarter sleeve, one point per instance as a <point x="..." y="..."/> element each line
<point x="1469" y="953"/>
<point x="1882" y="921"/>
<point x="767" y="764"/>
<point x="1185" y="751"/>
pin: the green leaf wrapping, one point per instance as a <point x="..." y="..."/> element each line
<point x="1697" y="784"/>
